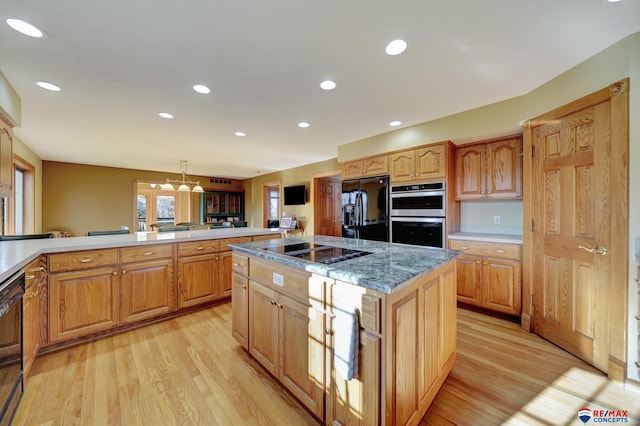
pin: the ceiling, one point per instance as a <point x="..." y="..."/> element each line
<point x="121" y="62"/>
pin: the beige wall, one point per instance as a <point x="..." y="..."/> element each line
<point x="294" y="176"/>
<point x="10" y="102"/>
<point x="24" y="152"/>
<point x="78" y="198"/>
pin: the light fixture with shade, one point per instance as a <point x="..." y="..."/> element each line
<point x="183" y="182"/>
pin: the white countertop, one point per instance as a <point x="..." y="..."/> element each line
<point x="490" y="238"/>
<point x="16" y="254"/>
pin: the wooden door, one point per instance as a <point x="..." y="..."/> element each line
<point x="146" y="290"/>
<point x="502" y="285"/>
<point x="328" y="208"/>
<point x="82" y="302"/>
<point x="431" y="162"/>
<point x="263" y="326"/>
<point x="197" y="279"/>
<point x="469" y="286"/>
<point x="470" y="181"/>
<point x="302" y="345"/>
<point x="240" y="309"/>
<point x="579" y="210"/>
<point x="504" y="168"/>
<point x="403" y="166"/>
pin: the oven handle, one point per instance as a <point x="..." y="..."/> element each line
<point x="417" y="194"/>
<point x="418" y="219"/>
<point x="11" y="293"/>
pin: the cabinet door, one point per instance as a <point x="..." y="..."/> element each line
<point x="197" y="279"/>
<point x="225" y="266"/>
<point x="469" y="285"/>
<point x="357" y="401"/>
<point x="302" y="345"/>
<point x="240" y="309"/>
<point x="375" y="166"/>
<point x="502" y="287"/>
<point x="431" y="162"/>
<point x="30" y="327"/>
<point x="504" y="169"/>
<point x="146" y="290"/>
<point x="402" y="168"/>
<point x="352" y="169"/>
<point x="470" y="182"/>
<point x="82" y="302"/>
<point x="263" y="326"/>
<point x="6" y="159"/>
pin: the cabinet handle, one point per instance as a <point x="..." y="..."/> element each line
<point x="236" y="264"/>
<point x="124" y="272"/>
<point x="464" y="248"/>
<point x="273" y="302"/>
<point x="85" y="260"/>
<point x="199" y="248"/>
<point x="29" y="277"/>
<point x="499" y="251"/>
<point x="328" y="331"/>
<point x="148" y="253"/>
<point x="279" y="305"/>
<point x="484" y="263"/>
<point x="115" y="273"/>
<point x="244" y="286"/>
<point x="478" y="262"/>
<point x="34" y="294"/>
<point x="38" y="269"/>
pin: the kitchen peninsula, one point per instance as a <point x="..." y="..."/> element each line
<point x="293" y="301"/>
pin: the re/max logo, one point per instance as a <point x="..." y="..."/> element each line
<point x="610" y="413"/>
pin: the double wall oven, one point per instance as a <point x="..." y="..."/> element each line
<point x="418" y="214"/>
<point x="11" y="292"/>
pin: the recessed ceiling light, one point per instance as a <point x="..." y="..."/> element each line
<point x="240" y="134"/>
<point x="395" y="123"/>
<point x="303" y="124"/>
<point x="328" y="85"/>
<point x="48" y="86"/>
<point x="24" y="27"/>
<point x="201" y="88"/>
<point x="396" y="47"/>
<point x="165" y="114"/>
<point x="614" y="1"/>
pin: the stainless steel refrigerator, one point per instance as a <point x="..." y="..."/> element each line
<point x="365" y="208"/>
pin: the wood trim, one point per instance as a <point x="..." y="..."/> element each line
<point x="265" y="200"/>
<point x="496" y="139"/>
<point x="396" y="151"/>
<point x="28" y="216"/>
<point x="617" y="369"/>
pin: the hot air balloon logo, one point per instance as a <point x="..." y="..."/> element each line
<point x="584" y="414"/>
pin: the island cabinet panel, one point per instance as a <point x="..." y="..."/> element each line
<point x="240" y="309"/>
<point x="469" y="276"/>
<point x="263" y="326"/>
<point x="225" y="265"/>
<point x="147" y="290"/>
<point x="82" y="302"/>
<point x="34" y="312"/>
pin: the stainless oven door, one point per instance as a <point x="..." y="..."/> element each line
<point x="11" y="292"/>
<point x="423" y="203"/>
<point x="420" y="231"/>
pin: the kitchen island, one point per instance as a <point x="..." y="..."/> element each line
<point x="293" y="302"/>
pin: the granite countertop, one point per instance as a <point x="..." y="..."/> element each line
<point x="486" y="237"/>
<point x="16" y="254"/>
<point x="385" y="269"/>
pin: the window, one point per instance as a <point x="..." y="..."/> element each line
<point x="154" y="205"/>
<point x="18" y="214"/>
<point x="271" y="207"/>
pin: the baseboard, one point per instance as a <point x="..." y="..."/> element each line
<point x="617" y="369"/>
<point x="525" y="323"/>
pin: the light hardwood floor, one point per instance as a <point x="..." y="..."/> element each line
<point x="190" y="371"/>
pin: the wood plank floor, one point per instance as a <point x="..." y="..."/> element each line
<point x="190" y="371"/>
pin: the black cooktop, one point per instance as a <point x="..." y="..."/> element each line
<point x="317" y="253"/>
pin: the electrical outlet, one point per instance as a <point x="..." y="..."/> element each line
<point x="496" y="220"/>
<point x="278" y="279"/>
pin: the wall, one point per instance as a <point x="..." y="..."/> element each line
<point x="294" y="176"/>
<point x="10" y="102"/>
<point x="24" y="152"/>
<point x="78" y="198"/>
<point x="478" y="216"/>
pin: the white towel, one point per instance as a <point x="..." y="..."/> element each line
<point x="346" y="342"/>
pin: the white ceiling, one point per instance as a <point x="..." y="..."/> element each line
<point x="120" y="62"/>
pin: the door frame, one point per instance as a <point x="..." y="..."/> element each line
<point x="314" y="191"/>
<point x="618" y="94"/>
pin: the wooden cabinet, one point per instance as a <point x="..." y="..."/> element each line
<point x="197" y="278"/>
<point x="423" y="164"/>
<point x="240" y="309"/>
<point x="284" y="336"/>
<point x="221" y="206"/>
<point x="34" y="334"/>
<point x="147" y="282"/>
<point x="370" y="166"/>
<point x="489" y="275"/>
<point x="6" y="158"/>
<point x="489" y="170"/>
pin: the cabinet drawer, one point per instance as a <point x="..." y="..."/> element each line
<point x="224" y="244"/>
<point x="198" y="247"/>
<point x="267" y="236"/>
<point x="240" y="264"/>
<point x="82" y="260"/>
<point x="142" y="253"/>
<point x="480" y="248"/>
<point x="289" y="282"/>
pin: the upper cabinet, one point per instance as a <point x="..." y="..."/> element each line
<point x="6" y="158"/>
<point x="421" y="164"/>
<point x="370" y="166"/>
<point x="491" y="169"/>
<point x="222" y="206"/>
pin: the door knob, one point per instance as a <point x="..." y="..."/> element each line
<point x="598" y="249"/>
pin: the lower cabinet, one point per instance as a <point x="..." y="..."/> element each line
<point x="34" y="312"/>
<point x="197" y="279"/>
<point x="147" y="290"/>
<point x="289" y="343"/>
<point x="240" y="309"/>
<point x="489" y="275"/>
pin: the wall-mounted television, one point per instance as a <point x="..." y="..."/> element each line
<point x="295" y="195"/>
